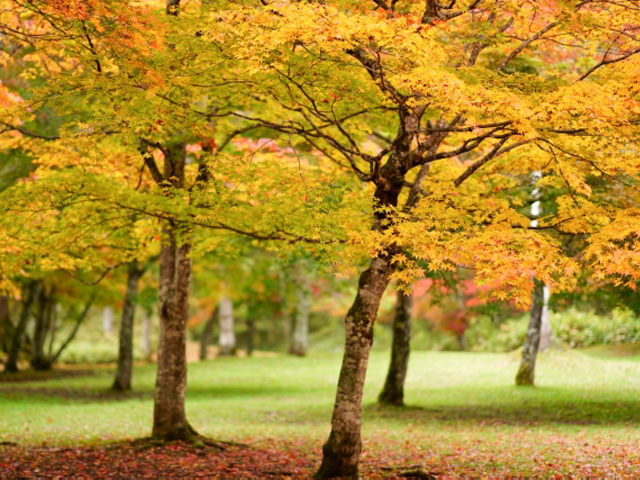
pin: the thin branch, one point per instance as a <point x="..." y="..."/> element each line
<point x="606" y="61"/>
<point x="28" y="133"/>
<point x="150" y="162"/>
<point x="79" y="321"/>
<point x="476" y="165"/>
<point x="525" y="44"/>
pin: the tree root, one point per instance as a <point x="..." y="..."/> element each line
<point x="188" y="436"/>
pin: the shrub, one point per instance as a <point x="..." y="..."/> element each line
<point x="574" y="328"/>
<point x="583" y="329"/>
<point x="484" y="336"/>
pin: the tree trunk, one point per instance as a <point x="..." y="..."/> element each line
<point x="393" y="391"/>
<point x="286" y="328"/>
<point x="146" y="334"/>
<point x="531" y="345"/>
<point x="251" y="334"/>
<point x="52" y="329"/>
<point x="206" y="334"/>
<point x="285" y="312"/>
<point x="545" y="324"/>
<point x="342" y="450"/>
<point x="227" y="339"/>
<point x="33" y="291"/>
<point x="46" y="305"/>
<point x="122" y="381"/>
<point x="169" y="419"/>
<point x="300" y="341"/>
<point x="5" y="322"/>
<point x="107" y="320"/>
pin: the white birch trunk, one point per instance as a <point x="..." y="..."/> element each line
<point x="227" y="336"/>
<point x="107" y="320"/>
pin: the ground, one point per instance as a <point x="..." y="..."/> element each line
<point x="465" y="418"/>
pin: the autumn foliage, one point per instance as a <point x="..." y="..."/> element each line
<point x="410" y="137"/>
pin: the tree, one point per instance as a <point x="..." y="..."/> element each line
<point x="393" y="391"/>
<point x="538" y="321"/>
<point x="526" y="372"/>
<point x="300" y="338"/>
<point x="227" y="340"/>
<point x="207" y="332"/>
<point x="440" y="77"/>
<point x="122" y="381"/>
<point x="32" y="291"/>
<point x="45" y="325"/>
<point x="413" y="100"/>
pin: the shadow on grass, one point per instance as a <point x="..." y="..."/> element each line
<point x="240" y="390"/>
<point x="40" y="376"/>
<point x="46" y="394"/>
<point x="566" y="408"/>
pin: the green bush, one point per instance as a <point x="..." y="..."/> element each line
<point x="484" y="336"/>
<point x="573" y="327"/>
<point x="583" y="329"/>
<point x="95" y="351"/>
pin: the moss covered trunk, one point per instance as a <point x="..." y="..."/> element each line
<point x="393" y="390"/>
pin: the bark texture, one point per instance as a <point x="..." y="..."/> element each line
<point x="526" y="372"/>
<point x="169" y="419"/>
<point x="342" y="450"/>
<point x="393" y="390"/>
<point x="122" y="381"/>
<point x="33" y="291"/>
<point x="227" y="340"/>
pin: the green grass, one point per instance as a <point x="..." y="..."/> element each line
<point x="464" y="414"/>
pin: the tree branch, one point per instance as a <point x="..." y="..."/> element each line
<point x="495" y="152"/>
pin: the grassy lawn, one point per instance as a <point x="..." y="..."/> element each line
<point x="464" y="417"/>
